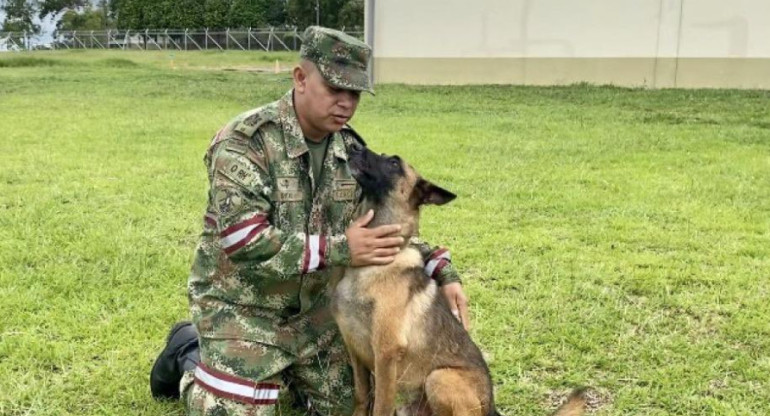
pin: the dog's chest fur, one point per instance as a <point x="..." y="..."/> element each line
<point x="396" y="291"/>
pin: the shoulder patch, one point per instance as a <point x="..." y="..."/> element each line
<point x="245" y="129"/>
<point x="256" y="155"/>
<point x="254" y="119"/>
<point x="240" y="173"/>
<point x="237" y="147"/>
<point x="227" y="200"/>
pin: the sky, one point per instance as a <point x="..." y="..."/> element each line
<point x="47" y="26"/>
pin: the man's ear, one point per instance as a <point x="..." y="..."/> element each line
<point x="433" y="194"/>
<point x="300" y="79"/>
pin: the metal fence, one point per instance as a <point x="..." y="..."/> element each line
<point x="269" y="39"/>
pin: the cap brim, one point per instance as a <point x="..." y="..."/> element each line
<point x="346" y="77"/>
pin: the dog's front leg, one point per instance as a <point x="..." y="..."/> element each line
<point x="362" y="386"/>
<point x="389" y="348"/>
<point x="385" y="386"/>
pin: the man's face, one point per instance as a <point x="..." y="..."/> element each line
<point x="326" y="108"/>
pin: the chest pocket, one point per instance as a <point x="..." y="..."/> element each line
<point x="291" y="196"/>
<point x="344" y="190"/>
<point x="345" y="194"/>
<point x="287" y="189"/>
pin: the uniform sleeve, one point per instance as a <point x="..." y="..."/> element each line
<point x="240" y="200"/>
<point x="438" y="262"/>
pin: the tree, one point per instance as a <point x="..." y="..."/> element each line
<point x="219" y="14"/>
<point x="157" y="14"/>
<point x="246" y="13"/>
<point x="275" y="12"/>
<point x="57" y="6"/>
<point x="19" y="15"/>
<point x="186" y="14"/>
<point x="302" y="13"/>
<point x="352" y="14"/>
<point x="113" y="6"/>
<point x="90" y="19"/>
<point x="330" y="12"/>
<point x="215" y="13"/>
<point x="129" y="14"/>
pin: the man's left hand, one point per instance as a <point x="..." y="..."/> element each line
<point x="458" y="302"/>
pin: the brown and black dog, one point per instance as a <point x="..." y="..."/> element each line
<point x="396" y="323"/>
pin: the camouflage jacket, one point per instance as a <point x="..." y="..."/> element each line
<point x="263" y="261"/>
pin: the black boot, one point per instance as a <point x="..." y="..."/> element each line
<point x="181" y="354"/>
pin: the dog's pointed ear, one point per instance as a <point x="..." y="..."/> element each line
<point x="433" y="194"/>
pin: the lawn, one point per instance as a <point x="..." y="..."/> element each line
<point x="617" y="238"/>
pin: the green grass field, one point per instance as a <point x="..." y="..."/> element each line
<point x="618" y="238"/>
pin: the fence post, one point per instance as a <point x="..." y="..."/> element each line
<point x="294" y="39"/>
<point x="227" y="38"/>
<point x="185" y="39"/>
<point x="206" y="40"/>
<point x="63" y="41"/>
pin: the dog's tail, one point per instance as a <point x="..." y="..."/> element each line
<point x="575" y="405"/>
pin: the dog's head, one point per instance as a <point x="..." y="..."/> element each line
<point x="393" y="187"/>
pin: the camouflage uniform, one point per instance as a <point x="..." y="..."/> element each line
<point x="258" y="284"/>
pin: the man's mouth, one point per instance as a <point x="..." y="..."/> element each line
<point x="340" y="119"/>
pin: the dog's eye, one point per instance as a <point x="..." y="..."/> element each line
<point x="394" y="163"/>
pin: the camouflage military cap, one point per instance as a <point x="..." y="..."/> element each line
<point x="342" y="59"/>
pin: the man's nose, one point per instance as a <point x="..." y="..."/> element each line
<point x="346" y="99"/>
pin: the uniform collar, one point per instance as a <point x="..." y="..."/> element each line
<point x="337" y="146"/>
<point x="292" y="132"/>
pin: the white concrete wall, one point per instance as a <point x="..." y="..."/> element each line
<point x="406" y="30"/>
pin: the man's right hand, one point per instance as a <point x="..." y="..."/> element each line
<point x="373" y="246"/>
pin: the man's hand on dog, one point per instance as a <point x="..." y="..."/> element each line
<point x="458" y="302"/>
<point x="374" y="246"/>
<point x="380" y="245"/>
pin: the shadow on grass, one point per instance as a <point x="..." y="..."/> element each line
<point x="26" y="61"/>
<point x="117" y="63"/>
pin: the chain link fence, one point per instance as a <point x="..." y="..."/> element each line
<point x="269" y="39"/>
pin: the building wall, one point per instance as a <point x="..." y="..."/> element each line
<point x="655" y="43"/>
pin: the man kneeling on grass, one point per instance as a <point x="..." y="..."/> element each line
<point x="279" y="214"/>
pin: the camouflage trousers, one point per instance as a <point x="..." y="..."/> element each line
<point x="320" y="378"/>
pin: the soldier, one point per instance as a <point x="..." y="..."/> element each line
<point x="279" y="216"/>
